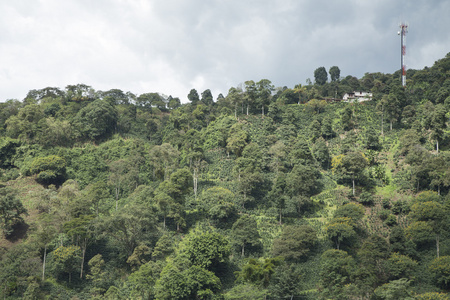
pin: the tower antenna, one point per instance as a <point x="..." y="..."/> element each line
<point x="403" y="31"/>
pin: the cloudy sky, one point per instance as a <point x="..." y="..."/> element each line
<point x="172" y="46"/>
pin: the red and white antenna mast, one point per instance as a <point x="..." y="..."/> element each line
<point x="402" y="33"/>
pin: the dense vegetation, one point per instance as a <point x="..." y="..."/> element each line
<point x="265" y="193"/>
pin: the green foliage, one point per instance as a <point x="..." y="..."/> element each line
<point x="191" y="283"/>
<point x="245" y="232"/>
<point x="401" y="266"/>
<point x="66" y="259"/>
<point x="295" y="242"/>
<point x="258" y="272"/>
<point x="321" y="76"/>
<point x="11" y="210"/>
<point x="340" y="229"/>
<point x="244" y="292"/>
<point x="440" y="268"/>
<point x="49" y="170"/>
<point x="219" y="204"/>
<point x="97" y="120"/>
<point x="396" y="289"/>
<point x="337" y="267"/>
<point x="207" y="250"/>
<point x="432" y="296"/>
<point x="8" y="149"/>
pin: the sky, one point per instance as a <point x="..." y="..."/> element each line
<point x="173" y="46"/>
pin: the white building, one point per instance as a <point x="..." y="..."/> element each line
<point x="357" y="97"/>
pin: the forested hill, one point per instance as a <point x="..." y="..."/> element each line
<point x="263" y="193"/>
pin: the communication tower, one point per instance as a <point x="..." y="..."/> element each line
<point x="403" y="31"/>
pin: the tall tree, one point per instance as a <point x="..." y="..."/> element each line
<point x="193" y="97"/>
<point x="335" y="73"/>
<point x="434" y="214"/>
<point x="351" y="164"/>
<point x="207" y="98"/>
<point x="320" y="76"/>
<point x="438" y="124"/>
<point x="250" y="93"/>
<point x="264" y="90"/>
<point x="11" y="210"/>
<point x="245" y="232"/>
<point x="295" y="242"/>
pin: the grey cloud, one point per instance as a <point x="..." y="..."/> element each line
<point x="172" y="46"/>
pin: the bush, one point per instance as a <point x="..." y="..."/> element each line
<point x="391" y="220"/>
<point x="50" y="169"/>
<point x="366" y="199"/>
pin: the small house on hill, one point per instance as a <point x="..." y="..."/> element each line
<point x="357" y="97"/>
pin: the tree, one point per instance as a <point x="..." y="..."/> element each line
<point x="97" y="120"/>
<point x="381" y="108"/>
<point x="236" y="98"/>
<point x="164" y="159"/>
<point x="207" y="98"/>
<point x="26" y="124"/>
<point x="372" y="256"/>
<point x="11" y="210"/>
<point x="141" y="282"/>
<point x="67" y="259"/>
<point x="46" y="231"/>
<point x="315" y="130"/>
<point x="278" y="153"/>
<point x="396" y="100"/>
<point x="193" y="97"/>
<point x="173" y="103"/>
<point x="97" y="193"/>
<point x="245" y="291"/>
<point x="401" y="266"/>
<point x="434" y="214"/>
<point x="336" y="272"/>
<point x="439" y="171"/>
<point x="170" y="195"/>
<point x="50" y="169"/>
<point x="245" y="232"/>
<point x="219" y="204"/>
<point x="351" y="164"/>
<point x="395" y="290"/>
<point x="123" y="174"/>
<point x="354" y="211"/>
<point x="264" y="90"/>
<point x="258" y="272"/>
<point x="278" y="194"/>
<point x="141" y="255"/>
<point x="192" y="282"/>
<point x="335" y="73"/>
<point x="250" y="93"/>
<point x="303" y="180"/>
<point x="327" y="128"/>
<point x="207" y="250"/>
<point x="81" y="231"/>
<point x="129" y="226"/>
<point x="321" y="153"/>
<point x="340" y="229"/>
<point x="97" y="274"/>
<point x="440" y="268"/>
<point x="320" y="76"/>
<point x="163" y="247"/>
<point x="286" y="282"/>
<point x="301" y="91"/>
<point x="438" y="124"/>
<point x="419" y="232"/>
<point x="295" y="242"/>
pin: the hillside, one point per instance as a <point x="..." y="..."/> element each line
<point x="265" y="193"/>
